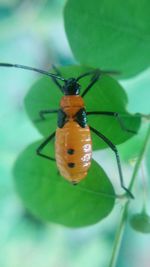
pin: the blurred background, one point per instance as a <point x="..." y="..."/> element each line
<point x="32" y="33"/>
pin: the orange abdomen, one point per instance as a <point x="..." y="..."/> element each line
<point x="73" y="148"/>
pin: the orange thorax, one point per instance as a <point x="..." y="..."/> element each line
<point x="71" y="104"/>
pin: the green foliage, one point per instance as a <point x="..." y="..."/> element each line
<point x="106" y="95"/>
<point x="49" y="197"/>
<point x="110" y="34"/>
<point x="139" y="95"/>
<point x="141" y="222"/>
<point x="46" y="193"/>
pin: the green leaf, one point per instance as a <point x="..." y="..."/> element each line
<point x="141" y="222"/>
<point x="110" y="34"/>
<point x="139" y="95"/>
<point x="131" y="149"/>
<point x="106" y="95"/>
<point x="50" y="197"/>
<point x="138" y="92"/>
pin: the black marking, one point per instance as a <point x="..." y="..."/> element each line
<point x="71" y="164"/>
<point x="74" y="182"/>
<point x="70" y="151"/>
<point x="62" y="118"/>
<point x="81" y="118"/>
<point x="71" y="87"/>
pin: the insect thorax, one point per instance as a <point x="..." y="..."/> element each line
<point x="72" y="108"/>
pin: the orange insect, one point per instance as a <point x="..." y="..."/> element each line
<point x="73" y="144"/>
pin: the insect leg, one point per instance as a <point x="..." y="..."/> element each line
<point x="113" y="114"/>
<point x="39" y="149"/>
<point x="94" y="79"/>
<point x="113" y="147"/>
<point x="44" y="112"/>
<point x="98" y="71"/>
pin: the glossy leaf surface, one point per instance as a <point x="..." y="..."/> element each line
<point x="110" y="34"/>
<point x="50" y="197"/>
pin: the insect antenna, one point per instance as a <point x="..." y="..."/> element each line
<point x="32" y="69"/>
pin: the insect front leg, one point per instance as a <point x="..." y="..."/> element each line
<point x="113" y="147"/>
<point x="94" y="79"/>
<point x="40" y="148"/>
<point x="96" y="75"/>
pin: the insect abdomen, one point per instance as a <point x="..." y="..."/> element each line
<point x="73" y="148"/>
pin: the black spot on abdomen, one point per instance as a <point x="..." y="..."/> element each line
<point x="71" y="164"/>
<point x="70" y="151"/>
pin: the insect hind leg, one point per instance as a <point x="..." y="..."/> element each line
<point x="44" y="144"/>
<point x="113" y="147"/>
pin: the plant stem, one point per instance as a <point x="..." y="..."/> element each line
<point x="121" y="227"/>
